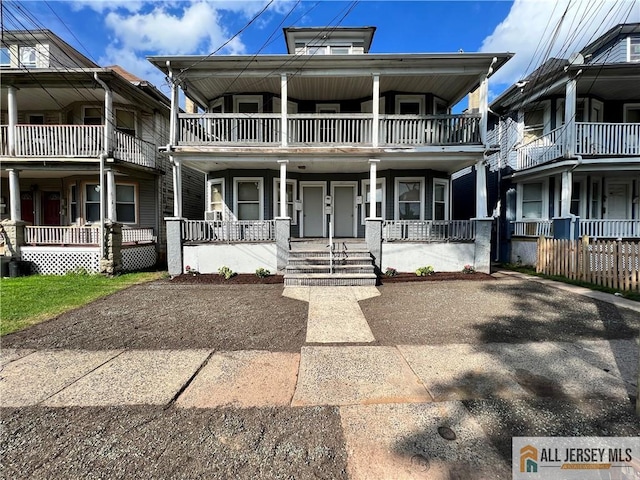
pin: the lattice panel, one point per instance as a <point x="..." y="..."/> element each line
<point x="60" y="262"/>
<point x="139" y="258"/>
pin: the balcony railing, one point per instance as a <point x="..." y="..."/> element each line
<point x="607" y="139"/>
<point x="610" y="228"/>
<point x="85" y="141"/>
<point x="428" y="230"/>
<point x="228" y="231"/>
<point x="533" y="228"/>
<point x="353" y="129"/>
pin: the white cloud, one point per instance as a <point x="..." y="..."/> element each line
<point x="102" y="6"/>
<point x="529" y="21"/>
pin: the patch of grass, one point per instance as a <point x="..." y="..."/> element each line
<point x="529" y="270"/>
<point x="25" y="301"/>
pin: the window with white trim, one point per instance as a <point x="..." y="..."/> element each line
<point x="380" y="198"/>
<point x="409" y="198"/>
<point x="595" y="199"/>
<point x="215" y="199"/>
<point x="91" y="202"/>
<point x="92" y="116"/>
<point x="634" y="49"/>
<point x="126" y="203"/>
<point x="532" y="200"/>
<point x="28" y="56"/>
<point x="291" y="198"/>
<point x="126" y="121"/>
<point x="73" y="204"/>
<point x="410" y="104"/>
<point x="440" y="199"/>
<point x="5" y="57"/>
<point x="248" y="195"/>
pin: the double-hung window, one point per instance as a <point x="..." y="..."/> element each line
<point x="290" y="196"/>
<point x="634" y="49"/>
<point x="409" y="198"/>
<point x="28" y="56"/>
<point x="125" y="203"/>
<point x="248" y="198"/>
<point x="216" y="199"/>
<point x="5" y="57"/>
<point x="379" y="196"/>
<point x="532" y="201"/>
<point x="440" y="199"/>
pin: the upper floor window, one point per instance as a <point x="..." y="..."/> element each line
<point x="410" y="104"/>
<point x="92" y="116"/>
<point x="28" y="56"/>
<point x="5" y="57"/>
<point x="634" y="49"/>
<point x="126" y="121"/>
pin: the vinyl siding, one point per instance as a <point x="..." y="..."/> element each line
<point x="613" y="53"/>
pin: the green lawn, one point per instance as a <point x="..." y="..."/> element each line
<point x="25" y="301"/>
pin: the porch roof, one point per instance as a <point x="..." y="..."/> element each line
<point x="450" y="76"/>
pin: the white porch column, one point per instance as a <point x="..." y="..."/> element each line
<point x="375" y="108"/>
<point x="14" y="195"/>
<point x="481" y="190"/>
<point x="373" y="180"/>
<point x="283" y="188"/>
<point x="12" y="106"/>
<point x="567" y="180"/>
<point x="283" y="111"/>
<point x="483" y="106"/>
<point x="109" y="121"/>
<point x="570" y="119"/>
<point x="111" y="195"/>
<point x="175" y="105"/>
<point x="177" y="187"/>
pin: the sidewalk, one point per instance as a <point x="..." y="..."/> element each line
<point x="391" y="401"/>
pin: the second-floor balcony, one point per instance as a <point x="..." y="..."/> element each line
<point x="75" y="141"/>
<point x="318" y="130"/>
<point x="589" y="139"/>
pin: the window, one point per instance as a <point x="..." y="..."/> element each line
<point x="217" y="106"/>
<point x="532" y="200"/>
<point x="92" y="116"/>
<point x="576" y="191"/>
<point x="340" y="50"/>
<point x="533" y="124"/>
<point x="409" y="198"/>
<point x="36" y="119"/>
<point x="92" y="203"/>
<point x="5" y="57"/>
<point x="126" y="121"/>
<point x="216" y="199"/>
<point x="291" y="198"/>
<point x="632" y="113"/>
<point x="126" y="203"/>
<point x="28" y="56"/>
<point x="440" y="199"/>
<point x="410" y="104"/>
<point x="248" y="198"/>
<point x="596" y="199"/>
<point x="634" y="49"/>
<point x="380" y="198"/>
<point x="316" y="50"/>
<point x="73" y="204"/>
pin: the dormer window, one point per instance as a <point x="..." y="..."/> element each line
<point x="340" y="50"/>
<point x="5" y="57"/>
<point x="634" y="49"/>
<point x="28" y="56"/>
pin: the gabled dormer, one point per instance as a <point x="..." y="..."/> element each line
<point x="329" y="41"/>
<point x="621" y="44"/>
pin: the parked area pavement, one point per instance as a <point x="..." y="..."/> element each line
<point x="417" y="380"/>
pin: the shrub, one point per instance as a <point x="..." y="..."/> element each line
<point x="425" y="271"/>
<point x="391" y="272"/>
<point x="192" y="271"/>
<point x="468" y="269"/>
<point x="262" y="272"/>
<point x="226" y="272"/>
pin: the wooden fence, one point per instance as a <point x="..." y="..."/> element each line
<point x="613" y="264"/>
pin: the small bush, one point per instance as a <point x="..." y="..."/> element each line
<point x="78" y="272"/>
<point x="425" y="271"/>
<point x="468" y="269"/>
<point x="226" y="272"/>
<point x="391" y="272"/>
<point x="191" y="270"/>
<point x="262" y="272"/>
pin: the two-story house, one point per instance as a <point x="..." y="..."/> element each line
<point x="79" y="150"/>
<point x="569" y="138"/>
<point x="293" y="146"/>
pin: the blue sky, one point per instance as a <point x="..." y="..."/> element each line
<point x="125" y="31"/>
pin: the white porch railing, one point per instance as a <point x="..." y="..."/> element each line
<point x="134" y="150"/>
<point x="428" y="230"/>
<point x="59" y="140"/>
<point x="533" y="228"/>
<point x="330" y="128"/>
<point x="138" y="235"/>
<point x="541" y="150"/>
<point x="608" y="138"/>
<point x="228" y="231"/>
<point x="610" y="228"/>
<point x="429" y="129"/>
<point x="4" y="140"/>
<point x="35" y="235"/>
<point x="223" y="128"/>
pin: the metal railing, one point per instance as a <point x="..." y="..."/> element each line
<point x="533" y="228"/>
<point x="610" y="228"/>
<point x="35" y="235"/>
<point x="428" y="230"/>
<point x="228" y="231"/>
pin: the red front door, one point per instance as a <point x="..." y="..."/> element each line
<point x="50" y="208"/>
<point x="26" y="206"/>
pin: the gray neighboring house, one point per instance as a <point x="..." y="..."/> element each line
<point x="567" y="147"/>
<point x="327" y="120"/>
<point x="80" y="161"/>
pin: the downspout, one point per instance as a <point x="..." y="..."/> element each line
<point x="108" y="102"/>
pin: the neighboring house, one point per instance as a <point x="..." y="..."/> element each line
<point x="327" y="120"/>
<point x="64" y="120"/>
<point x="567" y="148"/>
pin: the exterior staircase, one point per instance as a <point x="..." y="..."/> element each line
<point x="310" y="264"/>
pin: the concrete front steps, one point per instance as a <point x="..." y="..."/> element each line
<point x="309" y="264"/>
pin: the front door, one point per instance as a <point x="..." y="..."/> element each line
<point x="313" y="216"/>
<point x="50" y="208"/>
<point x="343" y="210"/>
<point x="618" y="200"/>
<point x="26" y="207"/>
